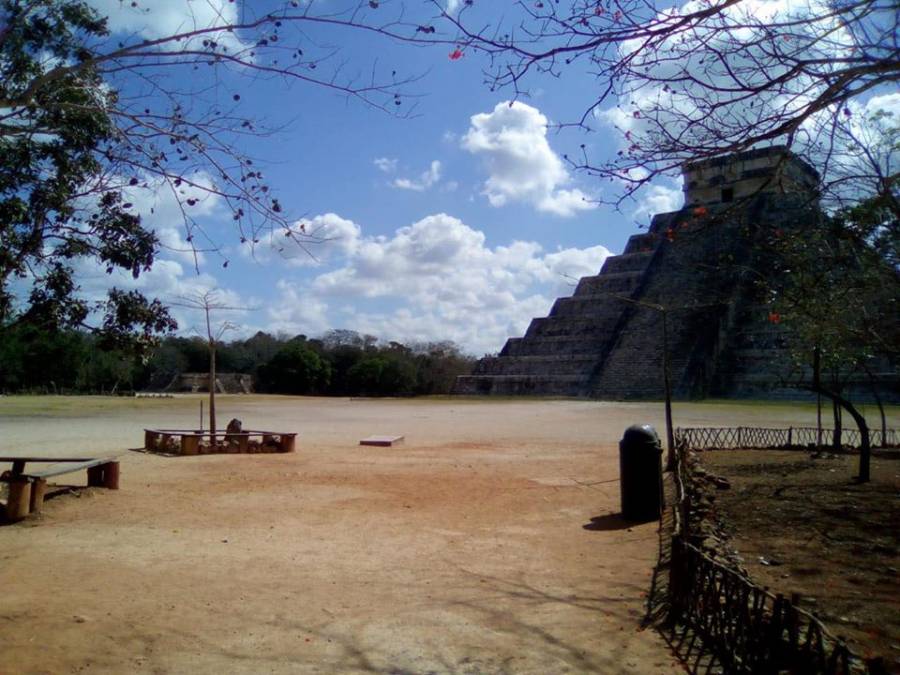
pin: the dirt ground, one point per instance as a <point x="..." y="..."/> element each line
<point x="803" y="526"/>
<point x="487" y="543"/>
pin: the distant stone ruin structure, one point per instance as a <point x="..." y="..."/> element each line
<point x="226" y="383"/>
<point x="697" y="267"/>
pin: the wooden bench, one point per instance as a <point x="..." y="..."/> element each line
<point x="27" y="489"/>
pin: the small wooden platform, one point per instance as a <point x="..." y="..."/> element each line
<point x="382" y="441"/>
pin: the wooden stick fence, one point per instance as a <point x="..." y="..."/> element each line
<point x="723" y="438"/>
<point x="748" y="628"/>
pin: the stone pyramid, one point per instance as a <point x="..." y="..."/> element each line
<point x="685" y="287"/>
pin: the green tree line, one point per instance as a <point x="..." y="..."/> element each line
<point x="340" y="363"/>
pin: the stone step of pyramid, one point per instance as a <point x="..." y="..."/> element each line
<point x="614" y="282"/>
<point x="520" y="385"/>
<point x="597" y="326"/>
<point x="627" y="262"/>
<point x="645" y="242"/>
<point x="543" y="366"/>
<point x="559" y="344"/>
<point x="764" y="354"/>
<point x="587" y="306"/>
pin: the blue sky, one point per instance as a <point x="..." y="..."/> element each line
<point x="459" y="223"/>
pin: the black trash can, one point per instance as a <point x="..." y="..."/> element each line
<point x="640" y="473"/>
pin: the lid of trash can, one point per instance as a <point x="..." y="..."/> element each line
<point x="640" y="434"/>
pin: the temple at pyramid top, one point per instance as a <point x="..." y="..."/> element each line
<point x="730" y="178"/>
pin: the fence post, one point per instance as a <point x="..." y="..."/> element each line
<point x="790" y="436"/>
<point x="774" y="647"/>
<point x="739" y="444"/>
<point x="675" y="581"/>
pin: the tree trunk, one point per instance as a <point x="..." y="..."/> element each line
<point x="667" y="385"/>
<point x="883" y="418"/>
<point x="838" y="426"/>
<point x="212" y="395"/>
<point x="873" y="383"/>
<point x="817" y="365"/>
<point x="865" y="449"/>
<point x="818" y="420"/>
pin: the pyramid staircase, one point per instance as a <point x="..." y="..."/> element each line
<point x="559" y="354"/>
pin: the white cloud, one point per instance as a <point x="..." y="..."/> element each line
<point x="385" y="164"/>
<point x="168" y="280"/>
<point x="169" y="210"/>
<point x="870" y="125"/>
<point x="295" y="311"/>
<point x="512" y="139"/>
<point x="566" y="266"/>
<point x="435" y="279"/>
<point x="888" y="103"/>
<point x="331" y="236"/>
<point x="338" y="236"/>
<point x="658" y="199"/>
<point x="160" y="19"/>
<point x="425" y="180"/>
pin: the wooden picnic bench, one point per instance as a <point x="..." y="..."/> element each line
<point x="27" y="488"/>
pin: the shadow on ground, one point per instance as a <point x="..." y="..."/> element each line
<point x="611" y="521"/>
<point x="687" y="646"/>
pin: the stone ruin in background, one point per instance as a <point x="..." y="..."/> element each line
<point x="702" y="263"/>
<point x="226" y="383"/>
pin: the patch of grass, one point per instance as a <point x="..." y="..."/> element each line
<point x="79" y="406"/>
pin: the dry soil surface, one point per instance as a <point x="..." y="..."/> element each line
<point x="804" y="526"/>
<point x="487" y="543"/>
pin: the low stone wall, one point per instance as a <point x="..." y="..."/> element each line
<point x="188" y="442"/>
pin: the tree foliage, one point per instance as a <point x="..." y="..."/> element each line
<point x="296" y="369"/>
<point x="36" y="360"/>
<point x="90" y="120"/>
<point x="53" y="215"/>
<point x="835" y="287"/>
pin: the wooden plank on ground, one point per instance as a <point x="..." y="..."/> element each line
<point x="382" y="441"/>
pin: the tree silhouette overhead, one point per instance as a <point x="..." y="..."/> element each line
<point x="708" y="77"/>
<point x="90" y="120"/>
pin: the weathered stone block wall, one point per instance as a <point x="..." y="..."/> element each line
<point x="733" y="178"/>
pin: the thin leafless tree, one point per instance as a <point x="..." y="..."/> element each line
<point x="210" y="302"/>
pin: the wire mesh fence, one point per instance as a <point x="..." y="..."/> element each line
<point x="724" y="438"/>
